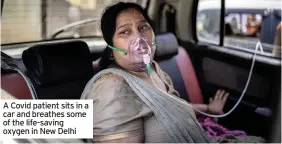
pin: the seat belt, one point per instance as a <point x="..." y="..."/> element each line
<point x="10" y="64"/>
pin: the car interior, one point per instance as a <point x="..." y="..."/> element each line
<point x="60" y="68"/>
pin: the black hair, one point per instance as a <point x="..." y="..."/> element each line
<point x="108" y="27"/>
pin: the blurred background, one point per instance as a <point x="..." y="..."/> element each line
<point x="34" y="20"/>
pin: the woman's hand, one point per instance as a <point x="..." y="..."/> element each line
<point x="217" y="103"/>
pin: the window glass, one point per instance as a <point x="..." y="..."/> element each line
<point x="208" y="21"/>
<point x="246" y="23"/>
<point x="35" y="20"/>
<point x="242" y="30"/>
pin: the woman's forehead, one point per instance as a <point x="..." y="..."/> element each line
<point x="129" y="16"/>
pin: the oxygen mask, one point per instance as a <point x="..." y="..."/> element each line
<point x="140" y="53"/>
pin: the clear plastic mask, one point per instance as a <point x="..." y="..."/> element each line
<point x="139" y="52"/>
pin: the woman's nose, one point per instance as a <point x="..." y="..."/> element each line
<point x="137" y="34"/>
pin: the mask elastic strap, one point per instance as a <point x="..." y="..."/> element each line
<point x="124" y="51"/>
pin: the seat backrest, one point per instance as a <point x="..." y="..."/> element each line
<point x="59" y="70"/>
<point x="175" y="61"/>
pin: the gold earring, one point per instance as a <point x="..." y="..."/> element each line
<point x="111" y="57"/>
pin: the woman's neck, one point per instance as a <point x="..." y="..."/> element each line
<point x="141" y="74"/>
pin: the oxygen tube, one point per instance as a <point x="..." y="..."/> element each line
<point x="147" y="61"/>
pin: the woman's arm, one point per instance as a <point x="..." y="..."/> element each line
<point x="115" y="112"/>
<point x="201" y="107"/>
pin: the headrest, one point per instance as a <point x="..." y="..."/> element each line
<point x="59" y="62"/>
<point x="167" y="46"/>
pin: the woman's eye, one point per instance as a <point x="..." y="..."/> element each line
<point x="144" y="28"/>
<point x="125" y="32"/>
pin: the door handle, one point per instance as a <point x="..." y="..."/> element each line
<point x="267" y="112"/>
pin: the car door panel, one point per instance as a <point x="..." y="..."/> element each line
<point x="220" y="70"/>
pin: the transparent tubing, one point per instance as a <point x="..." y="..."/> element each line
<point x="235" y="106"/>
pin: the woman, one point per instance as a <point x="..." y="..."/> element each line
<point x="136" y="102"/>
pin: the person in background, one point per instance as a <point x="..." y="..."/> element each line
<point x="253" y="26"/>
<point x="277" y="42"/>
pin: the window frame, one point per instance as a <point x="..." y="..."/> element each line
<point x="222" y="31"/>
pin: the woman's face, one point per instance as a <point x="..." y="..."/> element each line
<point x="130" y="24"/>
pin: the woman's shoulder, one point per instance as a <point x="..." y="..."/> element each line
<point x="109" y="77"/>
<point x="107" y="85"/>
<point x="105" y="77"/>
<point x="109" y="82"/>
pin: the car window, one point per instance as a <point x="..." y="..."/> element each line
<point x="245" y="24"/>
<point x="208" y="21"/>
<point x="37" y="20"/>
